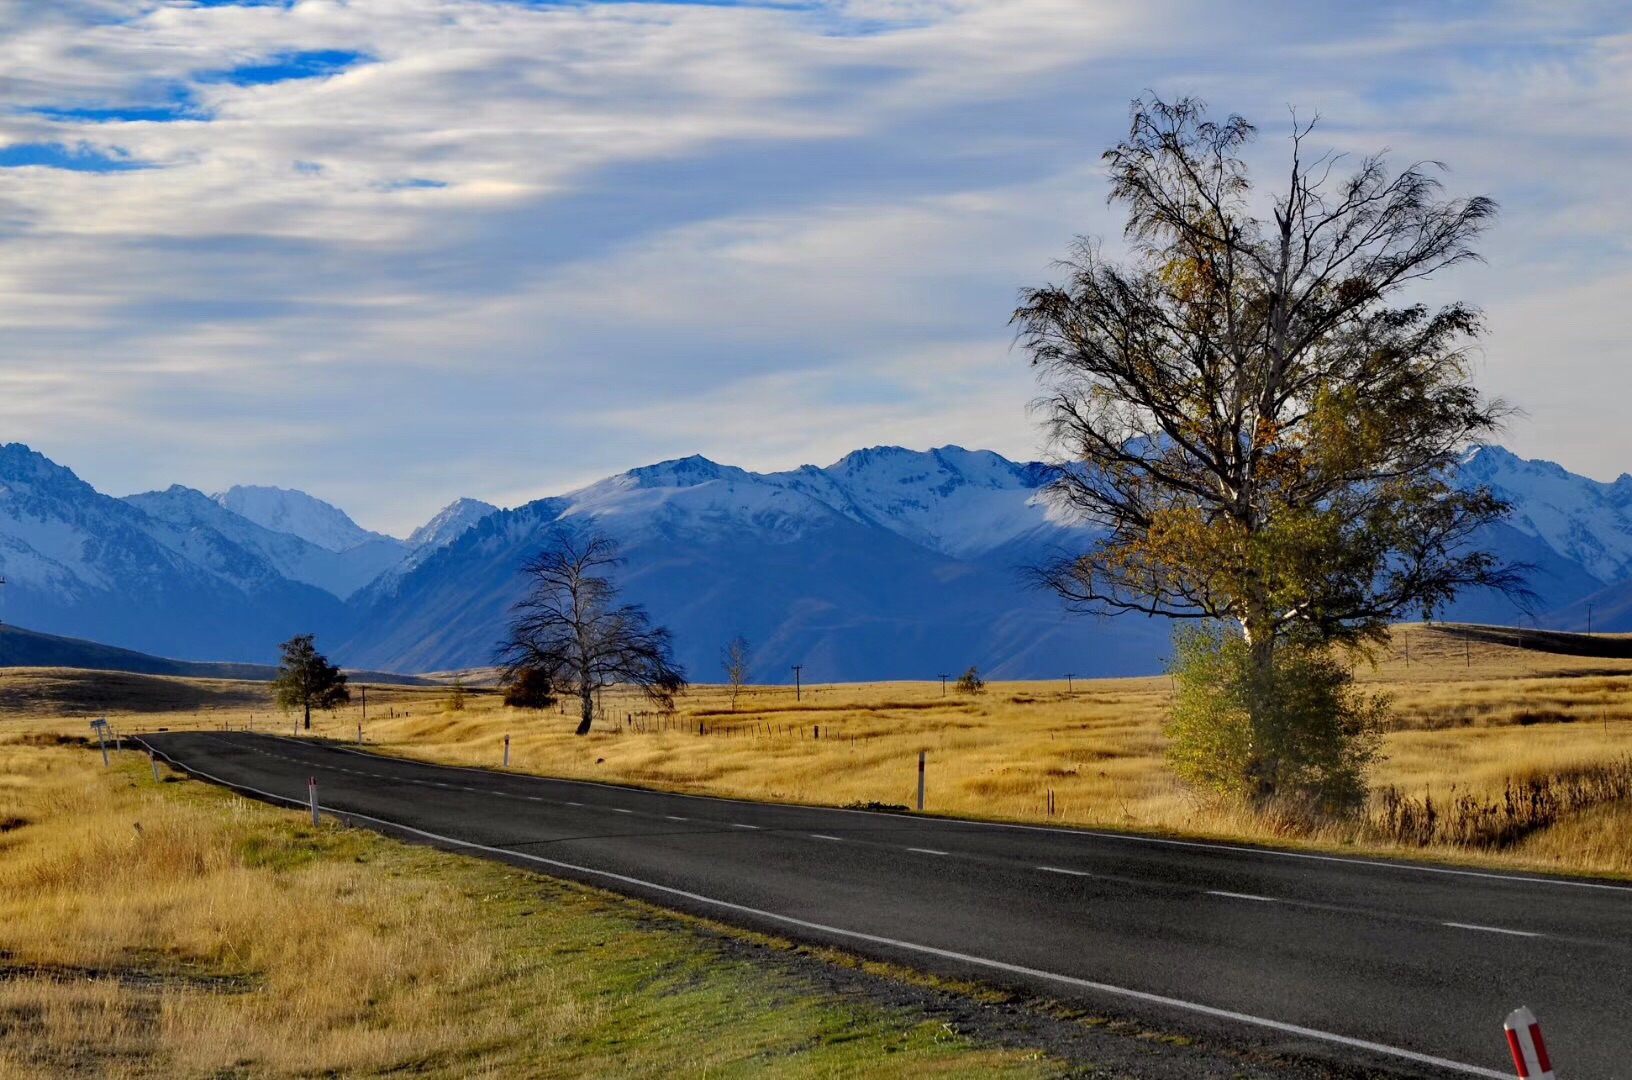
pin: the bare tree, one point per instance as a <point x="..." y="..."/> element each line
<point x="568" y="628"/>
<point x="734" y="660"/>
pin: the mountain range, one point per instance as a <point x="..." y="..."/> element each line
<point x="890" y="563"/>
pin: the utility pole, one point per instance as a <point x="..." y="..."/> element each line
<point x="796" y="669"/>
<point x="365" y="704"/>
<point x="2" y="582"/>
<point x="1068" y="678"/>
<point x="1589" y="615"/>
<point x="943" y="685"/>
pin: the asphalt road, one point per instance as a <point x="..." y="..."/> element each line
<point x="1399" y="967"/>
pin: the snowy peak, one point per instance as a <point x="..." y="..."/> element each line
<point x="1580" y="518"/>
<point x="297" y="513"/>
<point x="450" y="523"/>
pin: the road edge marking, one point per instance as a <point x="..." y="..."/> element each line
<point x="876" y="939"/>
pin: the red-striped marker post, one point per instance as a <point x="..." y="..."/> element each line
<point x="1529" y="1051"/>
<point x="311" y="792"/>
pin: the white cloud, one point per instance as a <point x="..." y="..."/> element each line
<point x="522" y="244"/>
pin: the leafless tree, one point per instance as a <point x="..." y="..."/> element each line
<point x="568" y="628"/>
<point x="734" y="659"/>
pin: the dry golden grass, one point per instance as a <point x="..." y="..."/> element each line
<point x="176" y="930"/>
<point x="1470" y="718"/>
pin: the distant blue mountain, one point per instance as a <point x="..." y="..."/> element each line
<point x="890" y="563"/>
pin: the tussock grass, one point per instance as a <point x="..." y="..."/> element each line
<point x="1474" y="720"/>
<point x="173" y="929"/>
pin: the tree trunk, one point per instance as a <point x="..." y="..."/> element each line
<point x="586" y="699"/>
<point x="308" y="716"/>
<point x="1263" y="766"/>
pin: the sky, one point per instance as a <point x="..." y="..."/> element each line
<point x="394" y="252"/>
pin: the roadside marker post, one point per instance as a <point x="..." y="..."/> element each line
<point x="920" y="780"/>
<point x="311" y="792"/>
<point x="1529" y="1051"/>
<point x="101" y="729"/>
<point x="507" y="751"/>
<point x="359" y="733"/>
<point x="153" y="761"/>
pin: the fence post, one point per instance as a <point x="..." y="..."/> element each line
<point x="311" y="791"/>
<point x="920" y="780"/>
<point x="154" y="761"/>
<point x="101" y="729"/>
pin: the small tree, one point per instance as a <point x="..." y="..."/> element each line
<point x="734" y="659"/>
<point x="306" y="678"/>
<point x="970" y="682"/>
<point x="568" y="628"/>
<point x="529" y="688"/>
<point x="456" y="695"/>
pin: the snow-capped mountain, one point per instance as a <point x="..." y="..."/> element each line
<point x="192" y="514"/>
<point x="889" y="563"/>
<point x="299" y="514"/>
<point x="79" y="562"/>
<point x="449" y="523"/>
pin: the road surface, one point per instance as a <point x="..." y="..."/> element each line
<point x="1402" y="967"/>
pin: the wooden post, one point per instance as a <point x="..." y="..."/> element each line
<point x="920" y="780"/>
<point x="311" y="792"/>
<point x="796" y="669"/>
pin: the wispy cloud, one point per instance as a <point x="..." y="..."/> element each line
<point x="396" y="251"/>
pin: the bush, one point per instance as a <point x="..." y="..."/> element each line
<point x="970" y="682"/>
<point x="1297" y="732"/>
<point x="530" y="688"/>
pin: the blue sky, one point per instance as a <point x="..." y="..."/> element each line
<point x="399" y="251"/>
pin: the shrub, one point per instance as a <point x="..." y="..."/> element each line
<point x="530" y="688"/>
<point x="1297" y="731"/>
<point x="970" y="682"/>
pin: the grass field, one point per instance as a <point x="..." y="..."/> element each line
<point x="172" y="929"/>
<point x="1480" y="727"/>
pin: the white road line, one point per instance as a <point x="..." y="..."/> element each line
<point x="621" y="810"/>
<point x="740" y="825"/>
<point x="1494" y="929"/>
<point x="676" y="817"/>
<point x="1063" y="870"/>
<point x="824" y="836"/>
<point x="908" y="946"/>
<point x="1131" y="838"/>
<point x="1243" y="896"/>
<point x="926" y="851"/>
<point x="575" y="804"/>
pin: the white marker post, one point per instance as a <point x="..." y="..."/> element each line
<point x="152" y="759"/>
<point x="101" y="729"/>
<point x="359" y="734"/>
<point x="920" y="780"/>
<point x="507" y="751"/>
<point x="311" y="791"/>
<point x="1529" y="1051"/>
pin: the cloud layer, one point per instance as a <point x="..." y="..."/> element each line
<point x="398" y="251"/>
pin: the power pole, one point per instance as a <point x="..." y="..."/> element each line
<point x="2" y="582"/>
<point x="1068" y="677"/>
<point x="943" y="679"/>
<point x="796" y="669"/>
<point x="365" y="704"/>
<point x="1589" y="615"/>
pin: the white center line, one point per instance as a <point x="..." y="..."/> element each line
<point x="575" y="804"/>
<point x="926" y="851"/>
<point x="621" y="810"/>
<point x="676" y="817"/>
<point x="1063" y="870"/>
<point x="1494" y="929"/>
<point x="823" y="836"/>
<point x="1243" y="896"/>
<point x="739" y="825"/>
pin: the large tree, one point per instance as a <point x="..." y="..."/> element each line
<point x="569" y="629"/>
<point x="306" y="678"/>
<point x="1265" y="432"/>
